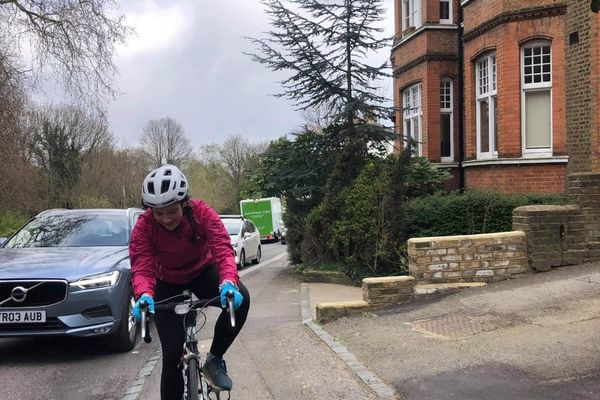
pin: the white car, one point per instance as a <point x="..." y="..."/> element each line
<point x="245" y="239"/>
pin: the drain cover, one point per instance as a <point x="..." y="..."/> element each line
<point x="451" y="326"/>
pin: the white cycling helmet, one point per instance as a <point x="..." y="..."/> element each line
<point x="164" y="186"/>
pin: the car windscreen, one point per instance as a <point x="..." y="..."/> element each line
<point x="71" y="230"/>
<point x="232" y="226"/>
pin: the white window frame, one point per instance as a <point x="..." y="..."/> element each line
<point x="447" y="108"/>
<point x="411" y="14"/>
<point x="449" y="19"/>
<point x="545" y="84"/>
<point x="486" y="90"/>
<point x="412" y="104"/>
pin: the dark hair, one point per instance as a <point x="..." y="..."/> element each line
<point x="189" y="214"/>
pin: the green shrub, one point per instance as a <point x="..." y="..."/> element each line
<point x="356" y="237"/>
<point x="11" y="222"/>
<point x="467" y="213"/>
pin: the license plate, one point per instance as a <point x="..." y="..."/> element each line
<point x="22" y="317"/>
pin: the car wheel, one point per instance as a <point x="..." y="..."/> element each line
<point x="125" y="337"/>
<point x="258" y="254"/>
<point x="242" y="263"/>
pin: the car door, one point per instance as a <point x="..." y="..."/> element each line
<point x="255" y="236"/>
<point x="249" y="243"/>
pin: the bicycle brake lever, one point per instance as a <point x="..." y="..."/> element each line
<point x="230" y="309"/>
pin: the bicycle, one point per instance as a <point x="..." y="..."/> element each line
<point x="196" y="387"/>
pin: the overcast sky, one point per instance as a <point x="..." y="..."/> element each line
<point x="186" y="62"/>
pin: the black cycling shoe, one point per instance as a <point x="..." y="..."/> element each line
<point x="215" y="372"/>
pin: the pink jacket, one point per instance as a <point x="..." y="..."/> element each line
<point x="170" y="256"/>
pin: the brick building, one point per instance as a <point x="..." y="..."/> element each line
<point x="503" y="93"/>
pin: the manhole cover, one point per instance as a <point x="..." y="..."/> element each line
<point x="451" y="326"/>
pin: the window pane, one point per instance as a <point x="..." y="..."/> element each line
<point x="484" y="124"/>
<point x="483" y="77"/>
<point x="537" y="122"/>
<point x="537" y="64"/>
<point x="445" y="135"/>
<point x="495" y="127"/>
<point x="444" y="9"/>
<point x="445" y="95"/>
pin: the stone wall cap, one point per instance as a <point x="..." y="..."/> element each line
<point x="385" y="279"/>
<point x="463" y="237"/>
<point x="343" y="304"/>
<point x="547" y="207"/>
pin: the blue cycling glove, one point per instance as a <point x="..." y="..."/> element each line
<point x="237" y="296"/>
<point x="136" y="308"/>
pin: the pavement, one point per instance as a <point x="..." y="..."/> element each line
<point x="535" y="337"/>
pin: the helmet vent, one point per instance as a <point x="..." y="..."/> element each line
<point x="167" y="172"/>
<point x="151" y="187"/>
<point x="164" y="187"/>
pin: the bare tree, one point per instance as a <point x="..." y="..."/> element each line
<point x="112" y="178"/>
<point x="210" y="182"/>
<point x="319" y="118"/>
<point x="74" y="39"/>
<point x="19" y="180"/>
<point x="60" y="138"/>
<point x="164" y="141"/>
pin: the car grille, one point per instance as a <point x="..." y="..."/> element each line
<point x="39" y="293"/>
<point x="52" y="323"/>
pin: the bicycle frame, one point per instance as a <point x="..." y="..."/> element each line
<point x="195" y="388"/>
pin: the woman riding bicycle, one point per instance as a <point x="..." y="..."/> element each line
<point x="180" y="243"/>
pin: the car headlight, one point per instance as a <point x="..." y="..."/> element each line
<point x="97" y="281"/>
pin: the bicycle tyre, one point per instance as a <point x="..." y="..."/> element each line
<point x="192" y="379"/>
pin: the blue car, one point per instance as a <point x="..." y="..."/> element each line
<point x="67" y="272"/>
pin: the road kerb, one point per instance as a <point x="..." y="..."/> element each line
<point x="380" y="388"/>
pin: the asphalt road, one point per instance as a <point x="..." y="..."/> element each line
<point x="65" y="368"/>
<point x="275" y="356"/>
<point x="74" y="368"/>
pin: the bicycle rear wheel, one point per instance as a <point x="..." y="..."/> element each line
<point x="192" y="379"/>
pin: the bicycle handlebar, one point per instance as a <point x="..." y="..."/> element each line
<point x="144" y="322"/>
<point x="195" y="304"/>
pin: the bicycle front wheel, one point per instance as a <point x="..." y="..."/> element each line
<point x="192" y="379"/>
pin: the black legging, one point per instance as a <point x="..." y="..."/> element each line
<point x="171" y="333"/>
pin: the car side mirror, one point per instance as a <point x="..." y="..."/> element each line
<point x="2" y="240"/>
<point x="247" y="235"/>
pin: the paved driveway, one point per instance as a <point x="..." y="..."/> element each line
<point x="534" y="337"/>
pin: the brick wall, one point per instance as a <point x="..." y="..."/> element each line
<point x="429" y="75"/>
<point x="479" y="11"/>
<point x="582" y="95"/>
<point x="519" y="178"/>
<point x="584" y="191"/>
<point x="387" y="289"/>
<point x="506" y="40"/>
<point x="556" y="235"/>
<point x="468" y="258"/>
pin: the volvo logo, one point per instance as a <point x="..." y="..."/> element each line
<point x="18" y="294"/>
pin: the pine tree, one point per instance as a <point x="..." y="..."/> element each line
<point x="324" y="45"/>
